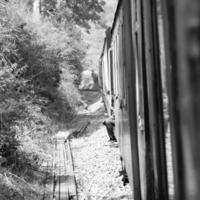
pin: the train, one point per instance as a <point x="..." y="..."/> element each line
<point x="149" y="75"/>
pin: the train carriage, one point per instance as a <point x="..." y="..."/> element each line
<point x="121" y="48"/>
<point x="105" y="74"/>
<point x="152" y="63"/>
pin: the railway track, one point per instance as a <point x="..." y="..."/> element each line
<point x="64" y="184"/>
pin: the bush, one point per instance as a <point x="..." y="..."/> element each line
<point x="40" y="63"/>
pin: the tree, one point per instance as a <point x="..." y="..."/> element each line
<point x="82" y="12"/>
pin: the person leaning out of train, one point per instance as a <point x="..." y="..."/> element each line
<point x="110" y="124"/>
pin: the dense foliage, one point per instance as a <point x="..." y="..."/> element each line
<point x="40" y="65"/>
<point x="78" y="11"/>
<point x="42" y="55"/>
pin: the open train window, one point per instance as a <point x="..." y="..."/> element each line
<point x="165" y="95"/>
<point x="112" y="79"/>
<point x="115" y="64"/>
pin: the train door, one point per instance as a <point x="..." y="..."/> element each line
<point x="120" y="99"/>
<point x="142" y="117"/>
<point x="184" y="94"/>
<point x="125" y="46"/>
<point x="150" y="123"/>
<point x="188" y="73"/>
<point x="106" y="78"/>
<point x="165" y="65"/>
<point x="116" y="87"/>
<point x="152" y="53"/>
<point x="111" y="82"/>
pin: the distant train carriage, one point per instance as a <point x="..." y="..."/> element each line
<point x="105" y="74"/>
<point x="150" y="77"/>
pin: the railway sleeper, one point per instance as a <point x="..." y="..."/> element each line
<point x="64" y="184"/>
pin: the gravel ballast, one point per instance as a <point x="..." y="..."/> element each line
<point x="97" y="166"/>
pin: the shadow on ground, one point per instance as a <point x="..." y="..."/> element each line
<point x="89" y="120"/>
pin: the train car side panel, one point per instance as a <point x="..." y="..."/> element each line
<point x="122" y="44"/>
<point x="106" y="75"/>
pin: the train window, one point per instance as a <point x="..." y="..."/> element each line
<point x="165" y="98"/>
<point x="121" y="64"/>
<point x="124" y="67"/>
<point x="112" y="80"/>
<point x="117" y="65"/>
<point x="114" y="64"/>
<point x="136" y="8"/>
<point x="111" y="69"/>
<point x="139" y="89"/>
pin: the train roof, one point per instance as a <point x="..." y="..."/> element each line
<point x="113" y="25"/>
<point x="104" y="45"/>
<point x="116" y="15"/>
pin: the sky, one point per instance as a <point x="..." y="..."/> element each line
<point x="96" y="37"/>
<point x="110" y="11"/>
